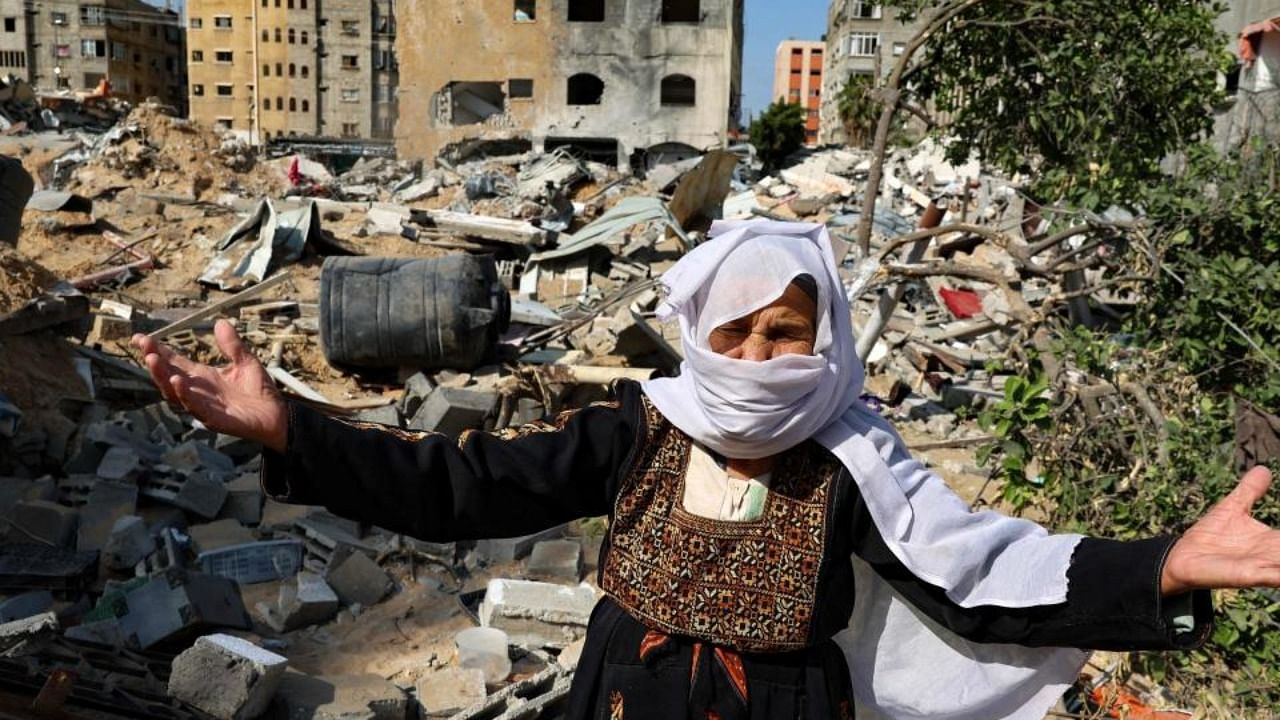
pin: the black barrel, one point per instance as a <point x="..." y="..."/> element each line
<point x="426" y="313"/>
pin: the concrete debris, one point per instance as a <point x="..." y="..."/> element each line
<point x="339" y="697"/>
<point x="177" y="602"/>
<point x="358" y="580"/>
<point x="450" y="690"/>
<point x="130" y="543"/>
<point x="28" y="635"/>
<point x="227" y="677"/>
<point x="25" y="605"/>
<point x="307" y="601"/>
<point x="536" y="613"/>
<point x="556" y="560"/>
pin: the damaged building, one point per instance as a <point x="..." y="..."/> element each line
<point x="75" y="46"/>
<point x="863" y="38"/>
<point x="620" y="81"/>
<point x="270" y="69"/>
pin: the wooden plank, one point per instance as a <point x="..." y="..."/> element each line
<point x="219" y="307"/>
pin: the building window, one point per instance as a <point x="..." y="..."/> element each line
<point x="382" y="59"/>
<point x="585" y="89"/>
<point x="350" y="95"/>
<point x="293" y="37"/>
<point x="222" y="22"/>
<point x="279" y="69"/>
<point x="222" y="56"/>
<point x="681" y="11"/>
<point x="62" y="51"/>
<point x="350" y="130"/>
<point x="586" y="10"/>
<point x="303" y="4"/>
<point x="350" y="62"/>
<point x="279" y="35"/>
<point x="293" y="70"/>
<point x="58" y="18"/>
<point x="93" y="48"/>
<point x="520" y="88"/>
<point x="266" y="35"/>
<point x="264" y="3"/>
<point x="899" y="48"/>
<point x="266" y="70"/>
<point x="119" y="51"/>
<point x="223" y="123"/>
<point x="279" y="103"/>
<point x="224" y="90"/>
<point x="863" y="44"/>
<point x="197" y="90"/>
<point x="350" y="27"/>
<point x="526" y="10"/>
<point x="197" y="56"/>
<point x="293" y="105"/>
<point x="381" y="93"/>
<point x="289" y="4"/>
<point x="11" y="24"/>
<point x="196" y="23"/>
<point x="306" y="106"/>
<point x="865" y="10"/>
<point x="95" y="15"/>
<point x="1231" y="80"/>
<point x="679" y="90"/>
<point x="13" y="58"/>
<point x="306" y="71"/>
<point x="306" y="37"/>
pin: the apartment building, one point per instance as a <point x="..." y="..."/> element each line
<point x="797" y="79"/>
<point x="60" y="44"/>
<point x="294" y="68"/>
<point x="622" y="80"/>
<point x="863" y="38"/>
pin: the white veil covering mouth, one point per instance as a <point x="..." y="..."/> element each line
<point x="744" y="409"/>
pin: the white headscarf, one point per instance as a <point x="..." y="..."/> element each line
<point x="744" y="409"/>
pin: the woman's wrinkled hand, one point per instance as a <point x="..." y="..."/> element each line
<point x="1227" y="548"/>
<point x="237" y="399"/>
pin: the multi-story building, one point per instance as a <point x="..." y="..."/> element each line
<point x="58" y="44"/>
<point x="797" y="79"/>
<point x="863" y="38"/>
<point x="294" y="68"/>
<point x="623" y="80"/>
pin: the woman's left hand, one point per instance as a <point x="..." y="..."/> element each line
<point x="1227" y="548"/>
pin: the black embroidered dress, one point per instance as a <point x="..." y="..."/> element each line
<point x="700" y="618"/>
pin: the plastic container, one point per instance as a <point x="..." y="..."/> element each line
<point x="486" y="650"/>
<point x="427" y="313"/>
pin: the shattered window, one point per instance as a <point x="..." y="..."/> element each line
<point x="679" y="90"/>
<point x="586" y="10"/>
<point x="585" y="89"/>
<point x="681" y="11"/>
<point x="526" y="10"/>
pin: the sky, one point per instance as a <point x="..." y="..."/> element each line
<point x="769" y="22"/>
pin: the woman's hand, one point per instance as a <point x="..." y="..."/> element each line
<point x="237" y="399"/>
<point x="1227" y="548"/>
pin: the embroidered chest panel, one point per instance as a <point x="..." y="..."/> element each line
<point x="751" y="586"/>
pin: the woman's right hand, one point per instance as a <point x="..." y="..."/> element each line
<point x="237" y="399"/>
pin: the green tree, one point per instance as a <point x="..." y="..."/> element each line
<point x="858" y="108"/>
<point x="778" y="132"/>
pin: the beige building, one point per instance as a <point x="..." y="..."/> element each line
<point x="56" y="44"/>
<point x="621" y="80"/>
<point x="294" y="68"/>
<point x="863" y="38"/>
<point x="797" y="79"/>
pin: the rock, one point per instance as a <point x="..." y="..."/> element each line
<point x="357" y="579"/>
<point x="446" y="692"/>
<point x="308" y="600"/>
<point x="227" y="677"/>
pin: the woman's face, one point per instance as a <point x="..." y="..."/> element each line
<point x="785" y="326"/>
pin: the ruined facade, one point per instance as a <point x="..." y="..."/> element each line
<point x="74" y="46"/>
<point x="293" y="68"/>
<point x="797" y="79"/>
<point x="863" y="38"/>
<point x="621" y="80"/>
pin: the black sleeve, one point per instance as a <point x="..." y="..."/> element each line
<point x="1113" y="599"/>
<point x="482" y="485"/>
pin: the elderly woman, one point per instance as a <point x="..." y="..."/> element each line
<point x="773" y="550"/>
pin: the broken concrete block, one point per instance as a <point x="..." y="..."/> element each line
<point x="46" y="522"/>
<point x="537" y="613"/>
<point x="556" y="560"/>
<point x="452" y="410"/>
<point x="227" y="677"/>
<point x="485" y="649"/>
<point x="244" y="500"/>
<point x="106" y="503"/>
<point x="110" y="329"/>
<point x="25" y="605"/>
<point x="571" y="655"/>
<point x="416" y="389"/>
<point x="308" y="600"/>
<point x="176" y="602"/>
<point x="446" y="692"/>
<point x="202" y="495"/>
<point x="339" y="697"/>
<point x="28" y="635"/>
<point x="119" y="463"/>
<point x="207" y="537"/>
<point x="508" y="550"/>
<point x="130" y="543"/>
<point x="193" y="455"/>
<point x="358" y="579"/>
<point x="100" y="632"/>
<point x="385" y="415"/>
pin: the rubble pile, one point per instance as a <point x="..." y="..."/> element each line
<point x="132" y="536"/>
